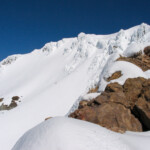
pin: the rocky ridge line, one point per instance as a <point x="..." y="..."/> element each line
<point x="124" y="107"/>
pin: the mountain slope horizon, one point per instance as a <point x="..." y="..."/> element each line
<point x="51" y="81"/>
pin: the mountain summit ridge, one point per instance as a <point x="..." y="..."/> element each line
<point x="136" y="33"/>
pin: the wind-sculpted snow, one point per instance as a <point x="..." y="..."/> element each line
<point x="52" y="80"/>
<point x="66" y="133"/>
<point x="69" y="134"/>
<point x="127" y="69"/>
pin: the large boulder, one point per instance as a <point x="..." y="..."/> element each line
<point x="146" y="89"/>
<point x="113" y="116"/>
<point x="133" y="88"/>
<point x="142" y="112"/>
<point x="117" y="118"/>
<point x="114" y="87"/>
<point x="116" y="97"/>
<point x="12" y="105"/>
<point x="120" y="107"/>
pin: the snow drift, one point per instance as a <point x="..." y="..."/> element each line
<point x="67" y="133"/>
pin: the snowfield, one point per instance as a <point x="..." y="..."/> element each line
<point x="72" y="134"/>
<point x="52" y="80"/>
<point x="69" y="134"/>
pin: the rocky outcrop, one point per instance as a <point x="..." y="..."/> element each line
<point x="48" y="118"/>
<point x="133" y="89"/>
<point x="115" y="75"/>
<point x="142" y="111"/>
<point x="139" y="59"/>
<point x="93" y="90"/>
<point x="1" y="99"/>
<point x="15" y="98"/>
<point x="113" y="116"/>
<point x="147" y="50"/>
<point x="12" y="105"/>
<point x="119" y="108"/>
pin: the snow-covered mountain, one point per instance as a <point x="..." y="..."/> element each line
<point x="50" y="81"/>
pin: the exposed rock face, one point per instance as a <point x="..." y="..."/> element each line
<point x="48" y="118"/>
<point x="15" y="98"/>
<point x="139" y="59"/>
<point x="111" y="115"/>
<point x="1" y="99"/>
<point x="133" y="88"/>
<point x="93" y="90"/>
<point x="115" y="75"/>
<point x="119" y="108"/>
<point x="147" y="50"/>
<point x="83" y="103"/>
<point x="12" y="105"/>
<point x="114" y="87"/>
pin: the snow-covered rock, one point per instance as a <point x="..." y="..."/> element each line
<point x="127" y="69"/>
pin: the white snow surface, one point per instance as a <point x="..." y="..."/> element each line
<point x="52" y="80"/>
<point x="72" y="134"/>
<point x="69" y="134"/>
<point x="90" y="96"/>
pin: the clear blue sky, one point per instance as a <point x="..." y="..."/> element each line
<point x="29" y="24"/>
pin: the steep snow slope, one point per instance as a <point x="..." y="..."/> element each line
<point x="50" y="80"/>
